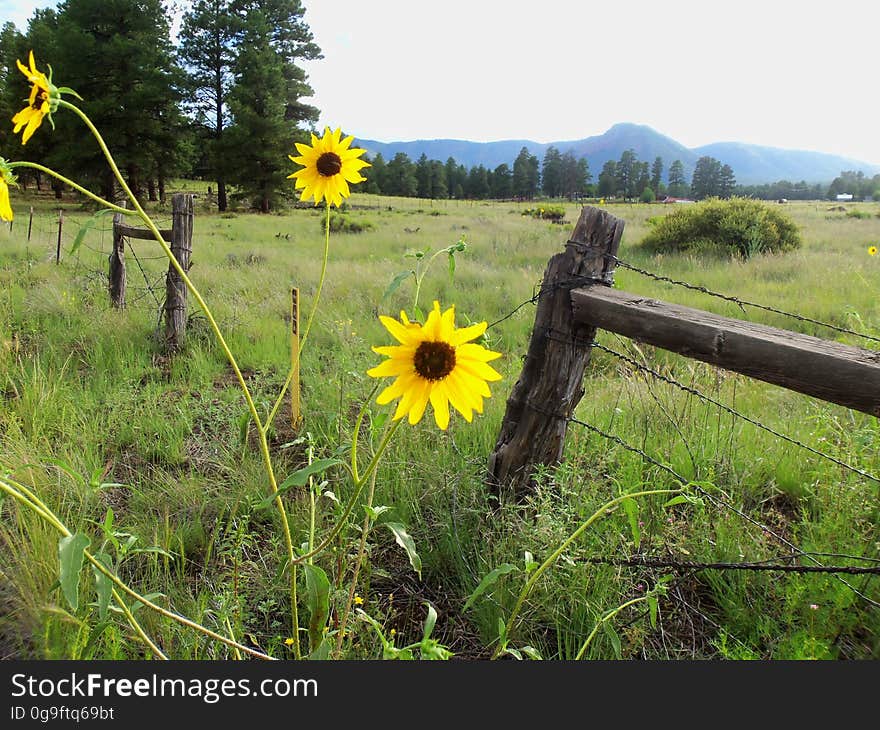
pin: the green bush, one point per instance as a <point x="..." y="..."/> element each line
<point x="340" y="223"/>
<point x="647" y="196"/>
<point x="739" y="225"/>
<point x="547" y="212"/>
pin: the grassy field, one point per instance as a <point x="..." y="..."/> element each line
<point x="99" y="422"/>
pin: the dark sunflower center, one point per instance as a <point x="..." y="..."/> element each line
<point x="434" y="360"/>
<point x="329" y="164"/>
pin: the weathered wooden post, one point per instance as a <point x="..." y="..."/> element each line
<point x="175" y="289"/>
<point x="550" y="385"/>
<point x="58" y="245"/>
<point x="116" y="275"/>
<point x="30" y="223"/>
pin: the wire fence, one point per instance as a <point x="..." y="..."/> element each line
<point x="53" y="236"/>
<point x="795" y="560"/>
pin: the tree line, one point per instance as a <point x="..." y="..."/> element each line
<point x="225" y="104"/>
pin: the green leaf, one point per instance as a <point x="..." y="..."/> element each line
<point x="85" y="227"/>
<point x="68" y="90"/>
<point x="451" y="266"/>
<point x="322" y="653"/>
<point x="299" y="478"/>
<point x="613" y="637"/>
<point x="396" y="282"/>
<point x="375" y="512"/>
<point x="532" y="653"/>
<point x="680" y="499"/>
<point x="488" y="581"/>
<point x="652" y="611"/>
<point x="430" y="621"/>
<point x="418" y="313"/>
<point x="631" y="507"/>
<point x="502" y="631"/>
<point x="404" y="539"/>
<point x="318" y="600"/>
<point x="103" y="585"/>
<point x="515" y="653"/>
<point x="70" y="559"/>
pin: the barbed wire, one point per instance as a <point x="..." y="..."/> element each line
<point x="741" y="303"/>
<point x="641" y="561"/>
<point x="712" y="498"/>
<point x="732" y="411"/>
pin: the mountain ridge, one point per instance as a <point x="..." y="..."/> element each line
<point x="752" y="164"/>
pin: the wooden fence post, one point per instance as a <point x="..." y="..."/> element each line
<point x="116" y="275"/>
<point x="175" y="289"/>
<point x="58" y="245"/>
<point x="30" y="223"/>
<point x="550" y="385"/>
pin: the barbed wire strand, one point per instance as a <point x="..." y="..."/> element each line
<point x="741" y="303"/>
<point x="712" y="498"/>
<point x="639" y="561"/>
<point x="732" y="411"/>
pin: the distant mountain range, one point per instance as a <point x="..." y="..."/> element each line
<point x="752" y="164"/>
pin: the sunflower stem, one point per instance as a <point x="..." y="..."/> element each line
<point x="71" y="183"/>
<point x="358" y="488"/>
<point x="308" y="327"/>
<point x="261" y="432"/>
<point x="538" y="572"/>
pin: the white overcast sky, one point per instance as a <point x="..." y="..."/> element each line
<point x="798" y="75"/>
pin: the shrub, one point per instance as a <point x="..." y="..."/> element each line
<point x="647" y="196"/>
<point x="738" y="225"/>
<point x="548" y="212"/>
<point x="340" y="223"/>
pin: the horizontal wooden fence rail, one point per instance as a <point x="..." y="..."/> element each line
<point x="576" y="301"/>
<point x="144" y="234"/>
<point x="831" y="371"/>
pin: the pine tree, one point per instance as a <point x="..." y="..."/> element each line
<point x="608" y="183"/>
<point x="501" y="182"/>
<point x="256" y="146"/>
<point x="551" y="173"/>
<point x="678" y="185"/>
<point x="208" y="37"/>
<point x="401" y="177"/>
<point x="133" y="99"/>
<point x="657" y="175"/>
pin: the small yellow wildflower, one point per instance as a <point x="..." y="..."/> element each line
<point x="288" y="642"/>
<point x="393" y="633"/>
<point x="358" y="600"/>
<point x="872" y="250"/>
<point x="329" y="165"/>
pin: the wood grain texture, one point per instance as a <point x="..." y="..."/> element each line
<point x="116" y="275"/>
<point x="831" y="371"/>
<point x="550" y="385"/>
<point x="175" y="289"/>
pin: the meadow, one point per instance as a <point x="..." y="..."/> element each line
<point x="152" y="456"/>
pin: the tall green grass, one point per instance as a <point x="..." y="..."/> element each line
<point x="88" y="387"/>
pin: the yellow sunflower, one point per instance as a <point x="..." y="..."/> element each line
<point x="328" y="167"/>
<point x="435" y="362"/>
<point x="38" y="106"/>
<point x="6" y="179"/>
<point x="872" y="250"/>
